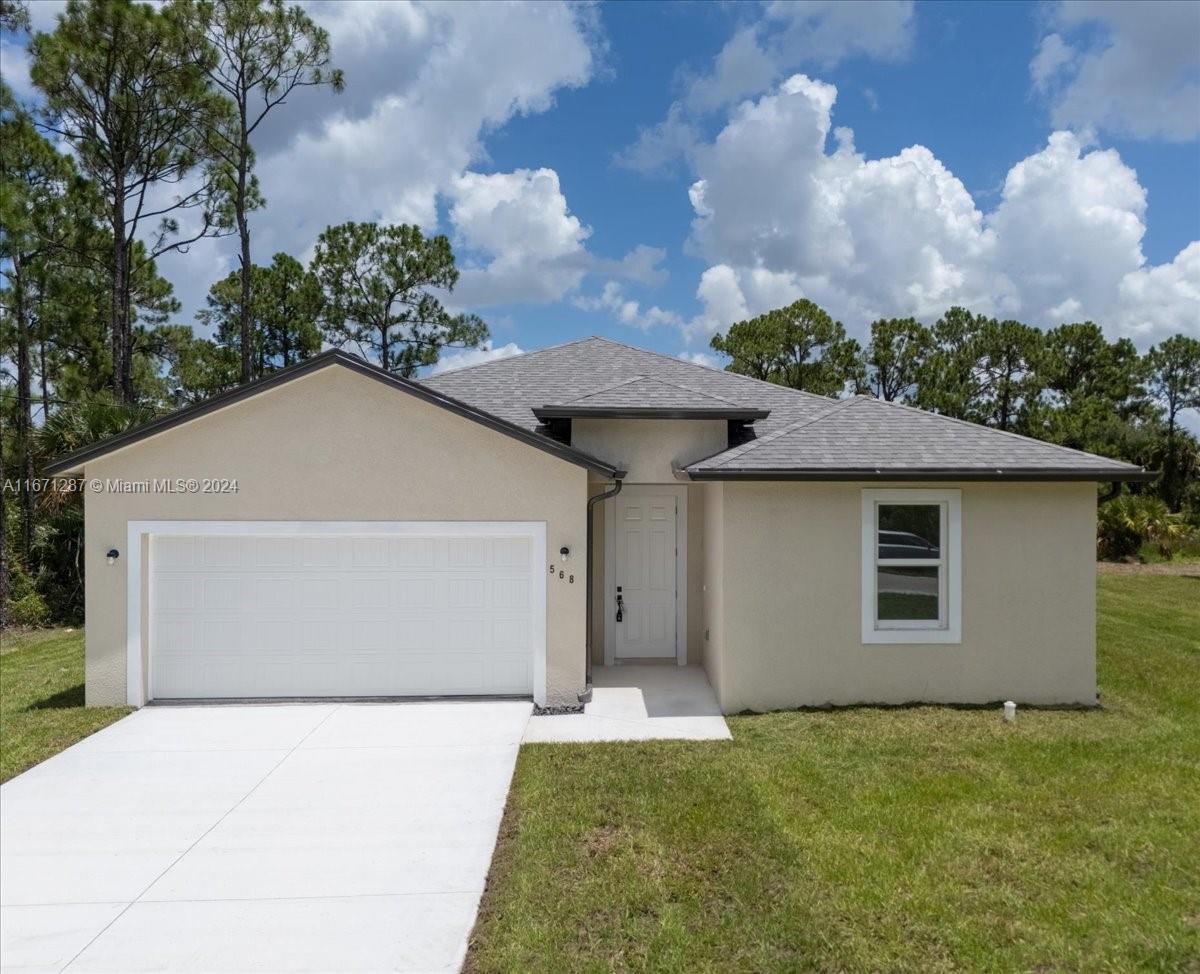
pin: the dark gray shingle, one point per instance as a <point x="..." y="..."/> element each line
<point x="803" y="433"/>
<point x="868" y="434"/>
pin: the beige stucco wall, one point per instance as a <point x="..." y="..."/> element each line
<point x="603" y="609"/>
<point x="645" y="448"/>
<point x="790" y="601"/>
<point x="712" y="585"/>
<point x="337" y="446"/>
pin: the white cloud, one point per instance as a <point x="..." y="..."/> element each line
<point x="521" y="220"/>
<point x="822" y="33"/>
<point x="475" y="356"/>
<point x="726" y="295"/>
<point x="425" y="83"/>
<point x="1053" y="55"/>
<point x="701" y="358"/>
<point x="1068" y="227"/>
<point x="14" y="67"/>
<point x="532" y="247"/>
<point x="1157" y="301"/>
<point x="787" y="216"/>
<point x="786" y="206"/>
<point x="1131" y="69"/>
<point x="626" y="310"/>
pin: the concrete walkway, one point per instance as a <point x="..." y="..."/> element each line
<point x="320" y="837"/>
<point x="639" y="703"/>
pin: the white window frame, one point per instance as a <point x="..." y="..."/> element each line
<point x="948" y="627"/>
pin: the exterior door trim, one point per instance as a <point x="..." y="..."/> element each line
<point x="136" y="681"/>
<point x="679" y="491"/>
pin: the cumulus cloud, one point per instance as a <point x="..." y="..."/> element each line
<point x="626" y="310"/>
<point x="475" y="356"/>
<point x="1157" y="301"/>
<point x="531" y="247"/>
<point x="1130" y="69"/>
<point x="726" y="294"/>
<point x="901" y="235"/>
<point x="521" y="220"/>
<point x="821" y="33"/>
<point x="425" y="83"/>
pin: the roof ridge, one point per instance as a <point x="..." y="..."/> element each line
<point x="1017" y="436"/>
<point x="700" y="393"/>
<point x="710" y="368"/>
<point x="738" y="452"/>
<point x="608" y="388"/>
<point x="694" y="392"/>
<point x="525" y="353"/>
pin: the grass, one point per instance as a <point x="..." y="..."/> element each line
<point x="1188" y="553"/>
<point x="918" y="839"/>
<point x="41" y="697"/>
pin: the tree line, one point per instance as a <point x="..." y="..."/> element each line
<point x="1067" y="385"/>
<point x="140" y="144"/>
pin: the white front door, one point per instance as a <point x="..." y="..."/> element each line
<point x="644" y="575"/>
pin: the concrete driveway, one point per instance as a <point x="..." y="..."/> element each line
<point x="315" y="837"/>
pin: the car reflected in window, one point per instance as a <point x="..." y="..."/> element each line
<point x="902" y="544"/>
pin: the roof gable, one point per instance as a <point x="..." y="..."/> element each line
<point x="75" y="460"/>
<point x="519" y="386"/>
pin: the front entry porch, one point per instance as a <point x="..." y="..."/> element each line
<point x="639" y="702"/>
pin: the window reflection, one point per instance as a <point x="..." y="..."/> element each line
<point x="907" y="593"/>
<point x="910" y="531"/>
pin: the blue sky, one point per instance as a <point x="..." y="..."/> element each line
<point x="652" y="172"/>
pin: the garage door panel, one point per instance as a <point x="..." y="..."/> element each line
<point x="370" y="592"/>
<point x="369" y="553"/>
<point x="223" y="552"/>
<point x="247" y="616"/>
<point x="275" y="552"/>
<point x="218" y="593"/>
<point x="511" y="553"/>
<point x="273" y="593"/>
<point x="176" y="594"/>
<point x="511" y="594"/>
<point x="466" y="553"/>
<point x="414" y="553"/>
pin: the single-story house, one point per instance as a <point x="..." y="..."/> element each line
<point x="333" y="530"/>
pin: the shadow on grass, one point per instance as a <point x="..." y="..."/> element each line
<point x="63" y="700"/>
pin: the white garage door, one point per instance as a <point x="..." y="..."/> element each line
<point x="322" y="614"/>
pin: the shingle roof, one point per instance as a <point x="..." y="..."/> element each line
<point x="888" y="440"/>
<point x="647" y="390"/>
<point x="648" y="396"/>
<point x="513" y="388"/>
<point x="804" y="436"/>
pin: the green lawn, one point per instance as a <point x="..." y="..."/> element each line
<point x="41" y="697"/>
<point x="921" y="839"/>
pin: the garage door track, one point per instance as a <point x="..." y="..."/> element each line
<point x="317" y="837"/>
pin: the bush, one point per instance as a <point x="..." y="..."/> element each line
<point x="26" y="607"/>
<point x="28" y="612"/>
<point x="1130" y="521"/>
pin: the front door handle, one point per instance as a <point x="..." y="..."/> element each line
<point x="620" y="606"/>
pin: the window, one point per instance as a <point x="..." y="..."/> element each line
<point x="911" y="559"/>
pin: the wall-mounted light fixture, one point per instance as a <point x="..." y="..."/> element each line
<point x="564" y="552"/>
<point x="112" y="556"/>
